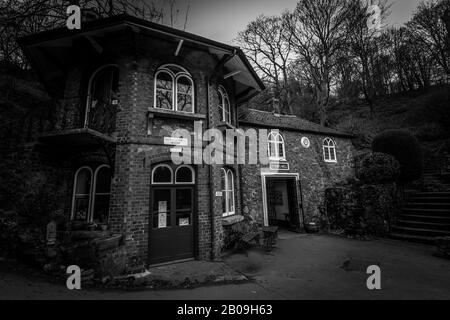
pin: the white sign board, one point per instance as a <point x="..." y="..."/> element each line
<point x="162" y="214"/>
<point x="170" y="141"/>
<point x="183" y="222"/>
<point x="219" y="194"/>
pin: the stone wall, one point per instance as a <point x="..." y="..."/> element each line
<point x="315" y="174"/>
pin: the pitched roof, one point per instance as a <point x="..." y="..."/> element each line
<point x="287" y="122"/>
<point x="233" y="58"/>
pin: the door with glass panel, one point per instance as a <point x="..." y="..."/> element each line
<point x="171" y="235"/>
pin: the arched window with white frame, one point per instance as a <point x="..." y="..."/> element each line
<point x="174" y="89"/>
<point x="162" y="174"/>
<point x="329" y="150"/>
<point x="276" y="148"/>
<point x="81" y="200"/>
<point x="224" y="106"/>
<point x="228" y="204"/>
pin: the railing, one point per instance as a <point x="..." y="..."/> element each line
<point x="100" y="116"/>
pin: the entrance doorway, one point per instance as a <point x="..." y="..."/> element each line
<point x="171" y="223"/>
<point x="282" y="202"/>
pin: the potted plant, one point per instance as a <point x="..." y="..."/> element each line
<point x="312" y="227"/>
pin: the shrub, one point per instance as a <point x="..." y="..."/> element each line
<point x="404" y="147"/>
<point x="378" y="168"/>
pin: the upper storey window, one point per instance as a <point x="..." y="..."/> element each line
<point x="224" y="105"/>
<point x="276" y="146"/>
<point x="174" y="89"/>
<point x="102" y="99"/>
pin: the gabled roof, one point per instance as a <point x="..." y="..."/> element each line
<point x="291" y="123"/>
<point x="58" y="40"/>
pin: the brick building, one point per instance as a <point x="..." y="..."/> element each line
<point x="123" y="86"/>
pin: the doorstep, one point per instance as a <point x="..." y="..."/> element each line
<point x="188" y="274"/>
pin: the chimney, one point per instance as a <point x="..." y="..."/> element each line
<point x="276" y="109"/>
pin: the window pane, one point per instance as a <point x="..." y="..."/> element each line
<point x="280" y="150"/>
<point x="81" y="208"/>
<point x="83" y="182"/>
<point x="164" y="99"/>
<point x="184" y="207"/>
<point x="333" y="154"/>
<point x="272" y="150"/>
<point x="101" y="208"/>
<point x="184" y="102"/>
<point x="184" y="175"/>
<point x="161" y="208"/>
<point x="162" y="175"/>
<point x="184" y="85"/>
<point x="230" y="180"/>
<point x="230" y="202"/>
<point x="327" y="153"/>
<point x="164" y="81"/>
<point x="103" y="180"/>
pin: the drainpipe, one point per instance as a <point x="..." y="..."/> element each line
<point x="212" y="197"/>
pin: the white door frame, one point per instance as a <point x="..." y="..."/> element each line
<point x="264" y="176"/>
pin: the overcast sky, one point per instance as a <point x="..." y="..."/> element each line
<point x="221" y="20"/>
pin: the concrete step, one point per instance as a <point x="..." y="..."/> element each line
<point x="420" y="205"/>
<point x="409" y="223"/>
<point x="420" y="232"/>
<point x="412" y="238"/>
<point x="417" y="199"/>
<point x="432" y="194"/>
<point x="425" y="218"/>
<point x="427" y="211"/>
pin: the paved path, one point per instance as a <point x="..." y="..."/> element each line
<point x="302" y="267"/>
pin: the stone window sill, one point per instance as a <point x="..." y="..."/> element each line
<point x="231" y="220"/>
<point x="160" y="113"/>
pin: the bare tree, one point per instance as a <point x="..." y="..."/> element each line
<point x="267" y="43"/>
<point x="22" y="17"/>
<point x="428" y="26"/>
<point x="319" y="31"/>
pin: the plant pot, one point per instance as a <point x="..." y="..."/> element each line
<point x="312" y="227"/>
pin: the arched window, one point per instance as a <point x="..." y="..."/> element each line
<point x="184" y="175"/>
<point x="162" y="174"/>
<point x="82" y="194"/>
<point x="329" y="150"/>
<point x="174" y="89"/>
<point x="101" y="99"/>
<point x="102" y="189"/>
<point x="228" y="192"/>
<point x="91" y="193"/>
<point x="224" y="105"/>
<point x="276" y="147"/>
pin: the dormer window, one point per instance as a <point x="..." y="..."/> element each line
<point x="174" y="89"/>
<point x="224" y="106"/>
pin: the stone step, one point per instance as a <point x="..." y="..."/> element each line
<point x="412" y="238"/>
<point x="432" y="194"/>
<point x="425" y="218"/>
<point x="410" y="223"/>
<point x="426" y="211"/>
<point x="418" y="199"/>
<point x="420" y="205"/>
<point x="420" y="232"/>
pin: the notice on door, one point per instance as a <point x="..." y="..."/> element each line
<point x="162" y="214"/>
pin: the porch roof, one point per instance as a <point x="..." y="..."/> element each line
<point x="47" y="50"/>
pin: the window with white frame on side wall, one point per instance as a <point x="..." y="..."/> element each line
<point x="329" y="150"/>
<point x="174" y="89"/>
<point x="228" y="203"/>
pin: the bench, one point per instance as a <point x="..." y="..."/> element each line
<point x="245" y="242"/>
